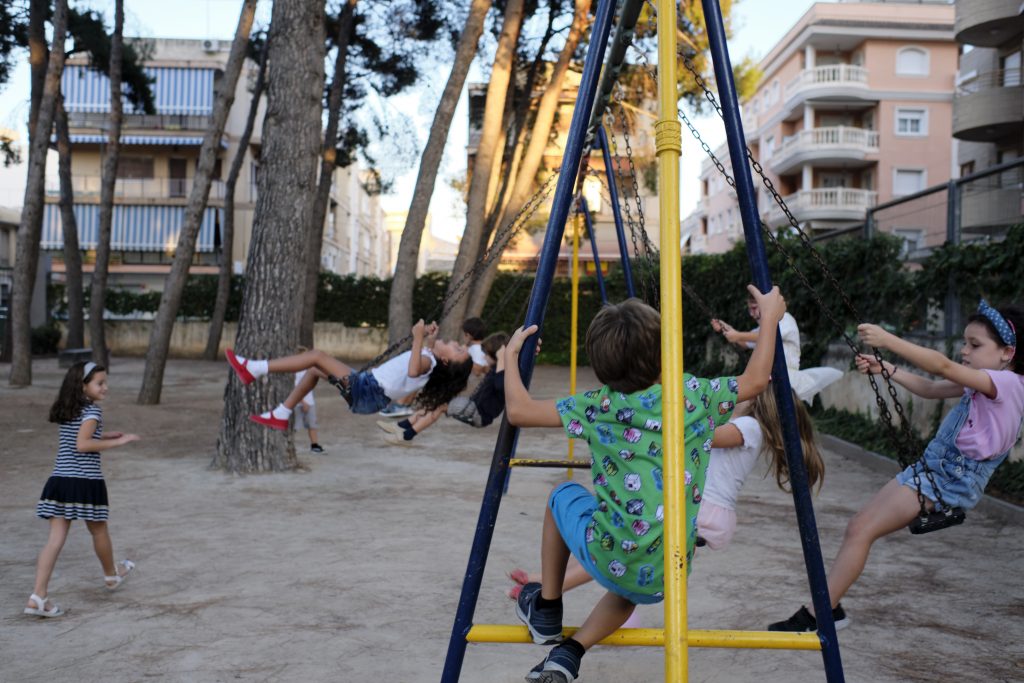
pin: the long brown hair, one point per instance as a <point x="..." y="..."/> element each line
<point x="765" y="410"/>
<point x="72" y="399"/>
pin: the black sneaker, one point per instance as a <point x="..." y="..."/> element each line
<point x="545" y="625"/>
<point x="804" y="622"/>
<point x="341" y="384"/>
<point x="316" y="448"/>
<point x="561" y="665"/>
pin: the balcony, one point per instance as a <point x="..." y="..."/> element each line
<point x="833" y="81"/>
<point x="835" y="144"/>
<point x="165" y="122"/>
<point x="988" y="105"/>
<point x="826" y="203"/>
<point x="158" y="190"/>
<point x="986" y="23"/>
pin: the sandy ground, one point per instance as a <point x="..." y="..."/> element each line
<point x="351" y="571"/>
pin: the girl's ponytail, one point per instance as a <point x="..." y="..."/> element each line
<point x="765" y="410"/>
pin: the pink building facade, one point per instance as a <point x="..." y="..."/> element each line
<point x="854" y="108"/>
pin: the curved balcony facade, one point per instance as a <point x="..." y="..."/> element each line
<point x="825" y="204"/>
<point x="833" y="81"/>
<point x="986" y="23"/>
<point x="834" y="144"/>
<point x="988" y="105"/>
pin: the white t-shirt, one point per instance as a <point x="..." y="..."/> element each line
<point x="729" y="467"/>
<point x="393" y="375"/>
<point x="476" y="352"/>
<point x="308" y="398"/>
<point x="790" y="340"/>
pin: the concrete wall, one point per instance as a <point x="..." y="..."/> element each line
<point x="188" y="340"/>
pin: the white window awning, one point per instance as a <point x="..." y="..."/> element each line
<point x="134" y="227"/>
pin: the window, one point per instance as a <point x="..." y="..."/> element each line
<point x="1010" y="65"/>
<point x="912" y="61"/>
<point x="907" y="181"/>
<point x="134" y="167"/>
<point x="911" y="240"/>
<point x="769" y="147"/>
<point x="911" y="122"/>
<point x="704" y="226"/>
<point x="966" y="169"/>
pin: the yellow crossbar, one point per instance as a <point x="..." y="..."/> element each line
<point x="529" y="462"/>
<point x="655" y="637"/>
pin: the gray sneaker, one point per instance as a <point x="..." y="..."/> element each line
<point x="545" y="625"/>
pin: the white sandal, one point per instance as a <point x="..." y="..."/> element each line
<point x="114" y="582"/>
<point x="40" y="609"/>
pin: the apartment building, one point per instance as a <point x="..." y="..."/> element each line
<point x="523" y="253"/>
<point x="988" y="111"/>
<point x="854" y="108"/>
<point x="156" y="169"/>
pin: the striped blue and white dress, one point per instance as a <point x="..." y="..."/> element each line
<point x="76" y="489"/>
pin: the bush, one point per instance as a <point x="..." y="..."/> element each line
<point x="45" y="339"/>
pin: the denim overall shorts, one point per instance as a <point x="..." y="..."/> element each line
<point x="960" y="480"/>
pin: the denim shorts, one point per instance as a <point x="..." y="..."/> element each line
<point x="367" y="396"/>
<point x="572" y="507"/>
<point x="960" y="480"/>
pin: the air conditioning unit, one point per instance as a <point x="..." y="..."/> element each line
<point x="211" y="45"/>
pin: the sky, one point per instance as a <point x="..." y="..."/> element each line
<point x="759" y="24"/>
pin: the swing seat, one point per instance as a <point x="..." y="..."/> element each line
<point x="936" y="520"/>
<point x="341" y="383"/>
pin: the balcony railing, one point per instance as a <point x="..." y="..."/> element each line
<point x="831" y="75"/>
<point x="134" y="188"/>
<point x="829" y="202"/>
<point x="975" y="81"/>
<point x="824" y="143"/>
<point x="141" y="121"/>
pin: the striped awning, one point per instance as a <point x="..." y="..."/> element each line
<point x="176" y="90"/>
<point x="134" y="227"/>
<point x="143" y="140"/>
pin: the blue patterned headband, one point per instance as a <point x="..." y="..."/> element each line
<point x="89" y="367"/>
<point x="1003" y="326"/>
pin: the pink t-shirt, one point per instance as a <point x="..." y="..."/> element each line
<point x="993" y="424"/>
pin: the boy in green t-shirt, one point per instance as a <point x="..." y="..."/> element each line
<point x="616" y="532"/>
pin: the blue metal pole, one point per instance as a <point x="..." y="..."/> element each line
<point x="613" y="193"/>
<point x="588" y="221"/>
<point x="507" y="435"/>
<point x="783" y="393"/>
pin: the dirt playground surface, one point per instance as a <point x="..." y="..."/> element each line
<point x="351" y="570"/>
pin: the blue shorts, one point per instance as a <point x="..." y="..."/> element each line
<point x="572" y="507"/>
<point x="367" y="396"/>
<point x="960" y="480"/>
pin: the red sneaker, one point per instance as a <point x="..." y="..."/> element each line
<point x="239" y="367"/>
<point x="271" y="421"/>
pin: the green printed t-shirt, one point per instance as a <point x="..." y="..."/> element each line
<point x="624" y="538"/>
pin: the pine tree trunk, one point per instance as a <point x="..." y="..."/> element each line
<point x="170" y="300"/>
<point x="270" y="314"/>
<point x="327" y="165"/>
<point x="69" y="227"/>
<point x="27" y="252"/>
<point x="400" y="302"/>
<point x="476" y="204"/>
<point x="220" y="304"/>
<point x="108" y="180"/>
<point x="534" y="153"/>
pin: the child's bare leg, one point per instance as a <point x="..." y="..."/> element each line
<point x="323" y="362"/>
<point x="313" y="436"/>
<point x="59" y="528"/>
<point x="103" y="546"/>
<point x="892" y="508"/>
<point x="423" y="419"/>
<point x="608" y="615"/>
<point x="554" y="556"/>
<point x="305" y="385"/>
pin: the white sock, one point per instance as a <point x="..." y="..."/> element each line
<point x="281" y="412"/>
<point x="257" y="368"/>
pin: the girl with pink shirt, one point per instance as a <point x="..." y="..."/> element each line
<point x="972" y="441"/>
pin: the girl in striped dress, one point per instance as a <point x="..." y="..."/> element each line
<point x="76" y="490"/>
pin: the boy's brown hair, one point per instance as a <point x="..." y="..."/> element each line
<point x="493" y="342"/>
<point x="624" y="345"/>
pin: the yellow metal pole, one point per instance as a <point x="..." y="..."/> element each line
<point x="574" y="327"/>
<point x="669" y="146"/>
<point x="655" y="637"/>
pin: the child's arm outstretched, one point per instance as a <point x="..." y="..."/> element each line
<point x="523" y="410"/>
<point x="86" y="441"/>
<point x="755" y="376"/>
<point x="956" y="376"/>
<point x="417" y="363"/>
